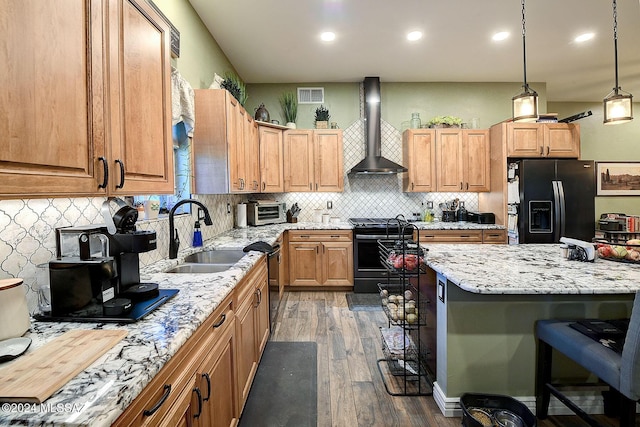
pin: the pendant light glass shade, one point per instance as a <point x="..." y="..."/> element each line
<point x="524" y="107"/>
<point x="618" y="105"/>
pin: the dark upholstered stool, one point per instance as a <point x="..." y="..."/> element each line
<point x="620" y="372"/>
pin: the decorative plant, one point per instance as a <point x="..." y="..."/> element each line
<point x="289" y="103"/>
<point x="235" y="86"/>
<point x="322" y="114"/>
<point x="445" y="120"/>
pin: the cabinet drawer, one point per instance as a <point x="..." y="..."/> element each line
<point x="319" y="235"/>
<point x="494" y="236"/>
<point x="451" y="236"/>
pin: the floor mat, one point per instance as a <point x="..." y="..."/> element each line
<point x="363" y="302"/>
<point x="285" y="389"/>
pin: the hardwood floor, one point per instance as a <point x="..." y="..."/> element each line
<point x="350" y="388"/>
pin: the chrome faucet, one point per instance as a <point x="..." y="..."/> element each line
<point x="174" y="241"/>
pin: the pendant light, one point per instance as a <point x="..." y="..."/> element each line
<point x="618" y="105"/>
<point x="525" y="105"/>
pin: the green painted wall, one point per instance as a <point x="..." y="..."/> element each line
<point x="200" y="55"/>
<point x="618" y="143"/>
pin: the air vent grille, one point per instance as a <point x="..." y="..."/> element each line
<point x="310" y="95"/>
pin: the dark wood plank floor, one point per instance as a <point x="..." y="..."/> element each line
<point x="350" y="388"/>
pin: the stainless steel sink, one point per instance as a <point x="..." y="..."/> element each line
<point x="200" y="268"/>
<point x="216" y="256"/>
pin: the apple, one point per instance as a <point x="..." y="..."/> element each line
<point x="619" y="251"/>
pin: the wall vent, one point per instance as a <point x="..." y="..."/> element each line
<point x="310" y="95"/>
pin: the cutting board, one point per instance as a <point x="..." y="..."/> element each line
<point x="38" y="374"/>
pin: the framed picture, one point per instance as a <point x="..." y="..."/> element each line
<point x="618" y="178"/>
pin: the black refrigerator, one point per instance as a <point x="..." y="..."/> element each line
<point x="556" y="200"/>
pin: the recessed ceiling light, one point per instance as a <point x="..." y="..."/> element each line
<point x="328" y="36"/>
<point x="414" y="35"/>
<point x="584" y="37"/>
<point x="500" y="36"/>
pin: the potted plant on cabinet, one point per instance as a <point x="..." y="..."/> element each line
<point x="235" y="86"/>
<point x="322" y="117"/>
<point x="445" y="122"/>
<point x="289" y="104"/>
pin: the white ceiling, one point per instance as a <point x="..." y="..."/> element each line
<point x="277" y="41"/>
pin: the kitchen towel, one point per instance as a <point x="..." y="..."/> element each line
<point x="241" y="215"/>
<point x="182" y="102"/>
<point x="513" y="191"/>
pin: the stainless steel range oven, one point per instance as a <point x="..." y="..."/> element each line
<point x="368" y="269"/>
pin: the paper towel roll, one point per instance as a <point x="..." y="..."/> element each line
<point x="241" y="217"/>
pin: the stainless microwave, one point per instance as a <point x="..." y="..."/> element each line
<point x="263" y="212"/>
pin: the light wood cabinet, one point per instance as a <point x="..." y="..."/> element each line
<point x="320" y="258"/>
<point x="313" y="160"/>
<point x="252" y="327"/>
<point x="65" y="127"/>
<point x="534" y="140"/>
<point x="419" y="157"/>
<point x="462" y="236"/>
<point x="225" y="145"/>
<point x="271" y="160"/>
<point x="463" y="159"/>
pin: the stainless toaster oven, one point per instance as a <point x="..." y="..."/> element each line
<point x="263" y="212"/>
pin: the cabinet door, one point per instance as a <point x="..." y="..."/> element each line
<point x="305" y="264"/>
<point x="186" y="409"/>
<point x="449" y="164"/>
<point x="262" y="314"/>
<point x="476" y="159"/>
<point x="419" y="157"/>
<point x="328" y="167"/>
<point x="271" y="160"/>
<point x="562" y="140"/>
<point x="337" y="263"/>
<point x="298" y="160"/>
<point x="525" y="140"/>
<point x="140" y="99"/>
<point x="217" y="381"/>
<point x="246" y="347"/>
<point x="51" y="108"/>
<point x="251" y="155"/>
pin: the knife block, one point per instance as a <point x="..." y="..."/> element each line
<point x="290" y="218"/>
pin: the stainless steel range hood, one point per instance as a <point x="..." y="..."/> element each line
<point x="373" y="162"/>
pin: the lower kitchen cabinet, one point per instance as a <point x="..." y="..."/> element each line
<point x="252" y="327"/>
<point x="320" y="258"/>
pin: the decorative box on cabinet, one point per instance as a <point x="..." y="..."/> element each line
<point x="320" y="258"/>
<point x="70" y="140"/>
<point x="313" y="160"/>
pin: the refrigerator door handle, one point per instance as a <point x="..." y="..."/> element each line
<point x="557" y="208"/>
<point x="562" y="209"/>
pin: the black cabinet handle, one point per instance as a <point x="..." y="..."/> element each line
<point x="154" y="409"/>
<point x="121" y="164"/>
<point x="105" y="175"/>
<point x="264" y="186"/>
<point x="222" y="319"/>
<point x="196" y="390"/>
<point x="206" y="377"/>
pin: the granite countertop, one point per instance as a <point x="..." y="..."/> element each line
<point x="529" y="270"/>
<point x="105" y="389"/>
<point x="456" y="225"/>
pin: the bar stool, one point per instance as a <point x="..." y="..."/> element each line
<point x="621" y="372"/>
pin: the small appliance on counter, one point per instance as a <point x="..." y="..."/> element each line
<point x="264" y="212"/>
<point x="96" y="274"/>
<point x="579" y="250"/>
<point x="481" y="217"/>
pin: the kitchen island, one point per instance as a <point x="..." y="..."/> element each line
<point x="487" y="299"/>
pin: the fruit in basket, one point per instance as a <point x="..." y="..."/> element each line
<point x="633" y="242"/>
<point x="384" y="301"/>
<point x="393" y="314"/>
<point x="412" y="318"/>
<point x="384" y="293"/>
<point x="605" y="251"/>
<point x="392" y="305"/>
<point x="400" y="314"/>
<point x="619" y="251"/>
<point x="408" y="294"/>
<point x="632" y="255"/>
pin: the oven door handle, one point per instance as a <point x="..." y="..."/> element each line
<point x="377" y="236"/>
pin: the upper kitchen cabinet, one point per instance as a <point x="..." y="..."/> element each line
<point x="271" y="159"/>
<point x="313" y="160"/>
<point x="419" y="157"/>
<point x="463" y="160"/>
<point x="542" y="139"/>
<point x="225" y="145"/>
<point x="139" y="99"/>
<point x="85" y="103"/>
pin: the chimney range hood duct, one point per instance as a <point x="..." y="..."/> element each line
<point x="373" y="162"/>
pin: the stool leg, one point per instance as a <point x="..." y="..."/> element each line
<point x="543" y="376"/>
<point x="627" y="412"/>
